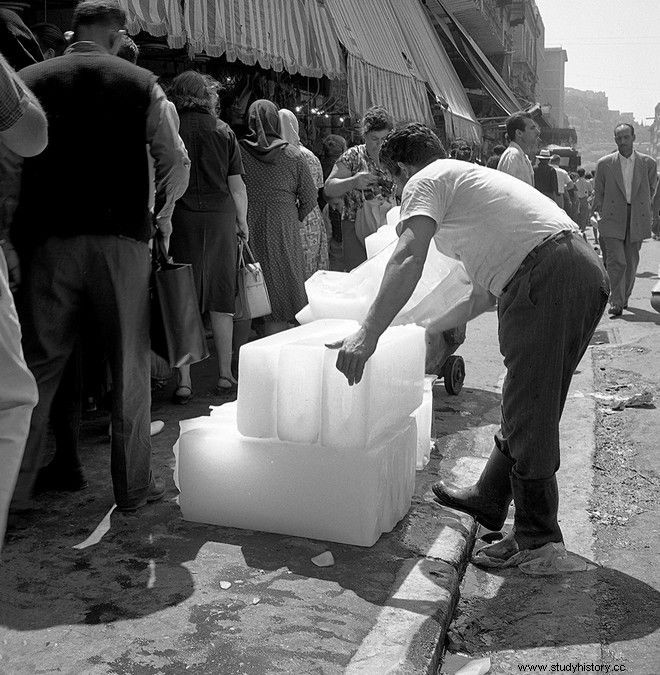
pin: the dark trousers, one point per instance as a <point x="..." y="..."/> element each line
<point x="547" y="316"/>
<point x="354" y="251"/>
<point x="104" y="280"/>
<point x="621" y="263"/>
<point x="583" y="213"/>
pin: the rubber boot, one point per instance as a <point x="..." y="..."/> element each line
<point x="487" y="501"/>
<point x="537" y="503"/>
<point x="535" y="522"/>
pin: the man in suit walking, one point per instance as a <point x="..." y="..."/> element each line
<point x="624" y="188"/>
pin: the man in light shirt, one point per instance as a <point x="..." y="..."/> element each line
<point x="523" y="133"/>
<point x="523" y="250"/>
<point x="584" y="191"/>
<point x="624" y="188"/>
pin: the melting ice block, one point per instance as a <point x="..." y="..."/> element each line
<point x="349" y="496"/>
<point x="443" y="286"/>
<point x="291" y="389"/>
<point x="380" y="239"/>
<point x="257" y="391"/>
<point x="424" y="417"/>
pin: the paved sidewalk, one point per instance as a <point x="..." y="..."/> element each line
<point x="87" y="590"/>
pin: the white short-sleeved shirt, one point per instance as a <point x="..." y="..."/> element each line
<point x="485" y="218"/>
<point x="563" y="179"/>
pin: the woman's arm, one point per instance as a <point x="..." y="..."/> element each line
<point x="340" y="181"/>
<point x="239" y="195"/>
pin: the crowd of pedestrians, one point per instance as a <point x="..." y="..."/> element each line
<point x="142" y="162"/>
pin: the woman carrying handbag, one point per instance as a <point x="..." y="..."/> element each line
<point x="206" y="218"/>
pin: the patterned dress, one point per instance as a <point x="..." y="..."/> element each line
<point x="357" y="159"/>
<point x="281" y="193"/>
<point x="314" y="236"/>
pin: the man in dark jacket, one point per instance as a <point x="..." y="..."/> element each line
<point x="83" y="222"/>
<point x="545" y="177"/>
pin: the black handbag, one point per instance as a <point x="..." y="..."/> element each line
<point x="177" y="329"/>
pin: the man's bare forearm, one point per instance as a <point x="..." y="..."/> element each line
<point x="401" y="276"/>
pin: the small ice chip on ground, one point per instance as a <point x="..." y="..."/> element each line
<point x="325" y="559"/>
<point x="225" y="585"/>
<point x="255" y="600"/>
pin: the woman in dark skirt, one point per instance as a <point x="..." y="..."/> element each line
<point x="208" y="217"/>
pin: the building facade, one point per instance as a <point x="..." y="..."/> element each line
<point x="551" y="78"/>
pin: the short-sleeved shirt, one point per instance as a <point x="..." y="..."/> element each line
<point x="486" y="219"/>
<point x="214" y="155"/>
<point x="584" y="188"/>
<point x="516" y="163"/>
<point x="563" y="179"/>
<point x="357" y="159"/>
<point x="13" y="98"/>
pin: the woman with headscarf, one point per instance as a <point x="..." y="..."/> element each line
<point x="281" y="193"/>
<point x="208" y="216"/>
<point x="313" y="235"/>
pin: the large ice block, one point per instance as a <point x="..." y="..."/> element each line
<point x="380" y="239"/>
<point x="257" y="391"/>
<point x="348" y="496"/>
<point x="424" y="417"/>
<point x="291" y="389"/>
<point x="338" y="295"/>
<point x="443" y="286"/>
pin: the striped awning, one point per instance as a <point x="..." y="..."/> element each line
<point x="379" y="72"/>
<point x="156" y="17"/>
<point x="292" y="35"/>
<point x="430" y="57"/>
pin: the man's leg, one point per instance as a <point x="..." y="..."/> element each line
<point x="118" y="286"/>
<point x="48" y="311"/>
<point x="616" y="270"/>
<point x="64" y="472"/>
<point x="18" y="396"/>
<point x="544" y="330"/>
<point x="632" y="249"/>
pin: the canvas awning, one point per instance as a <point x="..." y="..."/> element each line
<point x="378" y="71"/>
<point x="156" y="17"/>
<point x="292" y="35"/>
<point x="427" y="52"/>
<point x="478" y="63"/>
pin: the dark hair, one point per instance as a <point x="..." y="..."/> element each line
<point x="49" y="36"/>
<point x="413" y="144"/>
<point x="377" y="118"/>
<point x="580" y="171"/>
<point x="554" y="159"/>
<point x="589" y="176"/>
<point x="94" y="12"/>
<point x="192" y="90"/>
<point x="498" y="149"/>
<point x="516" y="121"/>
<point x="128" y="50"/>
<point x="625" y="124"/>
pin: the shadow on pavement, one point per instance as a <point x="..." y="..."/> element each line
<point x="528" y="612"/>
<point x="640" y="316"/>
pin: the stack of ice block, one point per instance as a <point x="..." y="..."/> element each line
<point x="424" y="418"/>
<point x="301" y="452"/>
